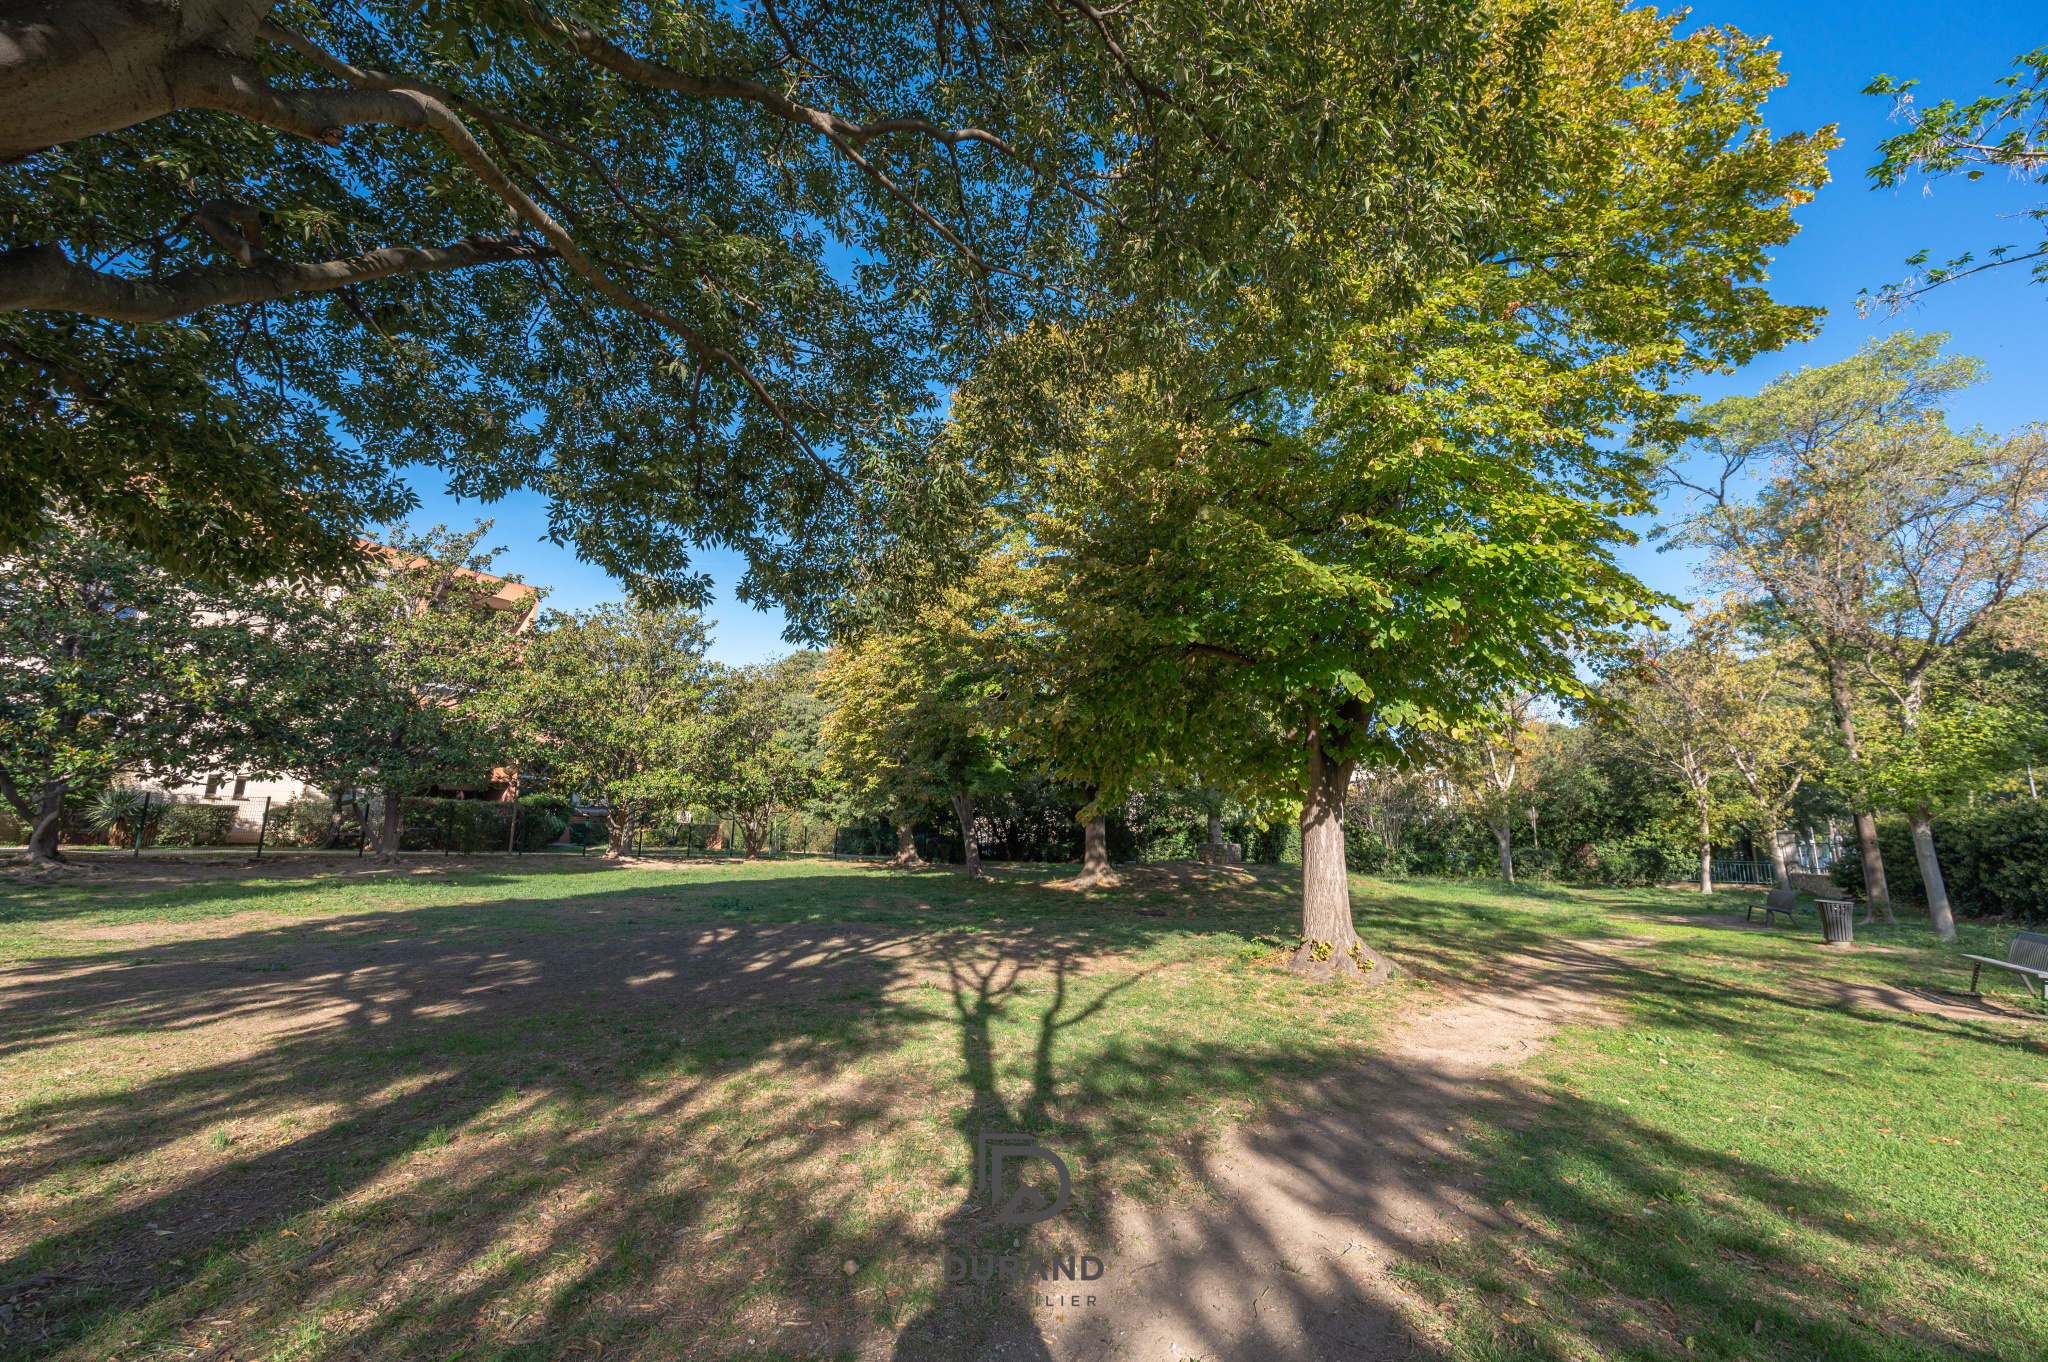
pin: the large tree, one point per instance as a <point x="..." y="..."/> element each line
<point x="111" y="665"/>
<point x="691" y="270"/>
<point x="1345" y="555"/>
<point x="1884" y="539"/>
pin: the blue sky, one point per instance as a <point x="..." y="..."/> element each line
<point x="1851" y="238"/>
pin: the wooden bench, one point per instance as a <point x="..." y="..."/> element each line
<point x="2026" y="957"/>
<point x="1779" y="901"/>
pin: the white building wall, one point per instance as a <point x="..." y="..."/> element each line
<point x="247" y="796"/>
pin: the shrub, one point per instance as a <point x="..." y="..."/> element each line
<point x="541" y="820"/>
<point x="13" y="832"/>
<point x="113" y="812"/>
<point x="1279" y="844"/>
<point x="1535" y="863"/>
<point x="194" y="825"/>
<point x="1994" y="860"/>
<point x="464" y="826"/>
<point x="1364" y="852"/>
<point x="303" y="822"/>
<point x="1619" y="864"/>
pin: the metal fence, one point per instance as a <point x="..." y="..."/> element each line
<point x="1744" y="872"/>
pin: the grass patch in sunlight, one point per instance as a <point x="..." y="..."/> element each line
<point x="1748" y="1169"/>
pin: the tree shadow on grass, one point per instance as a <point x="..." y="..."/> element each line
<point x="657" y="1140"/>
<point x="672" y="1142"/>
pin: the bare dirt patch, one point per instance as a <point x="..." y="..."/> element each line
<point x="1313" y="1206"/>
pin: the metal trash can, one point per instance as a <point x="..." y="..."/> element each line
<point x="1837" y="921"/>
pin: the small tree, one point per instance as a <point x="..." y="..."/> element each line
<point x="1495" y="764"/>
<point x="871" y="749"/>
<point x="109" y="664"/>
<point x="1385" y="800"/>
<point x="756" y="756"/>
<point x="909" y="727"/>
<point x="1663" y="712"/>
<point x="1765" y="716"/>
<point x="419" y="666"/>
<point x="611" y="699"/>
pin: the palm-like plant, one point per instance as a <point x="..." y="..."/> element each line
<point x="115" y="810"/>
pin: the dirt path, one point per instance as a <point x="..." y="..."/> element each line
<point x="1293" y="1263"/>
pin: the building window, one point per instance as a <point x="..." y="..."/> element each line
<point x="241" y="784"/>
<point x="212" y="785"/>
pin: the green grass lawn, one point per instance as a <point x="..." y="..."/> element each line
<point x="506" y="1111"/>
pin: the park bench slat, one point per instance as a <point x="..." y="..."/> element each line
<point x="2025" y="945"/>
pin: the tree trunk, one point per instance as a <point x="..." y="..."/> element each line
<point x="1840" y="694"/>
<point x="47" y="824"/>
<point x="906" y="847"/>
<point x="1215" y="829"/>
<point x="333" y="837"/>
<point x="1503" y="841"/>
<point x="1874" y="887"/>
<point x="754" y="834"/>
<point x="1330" y="947"/>
<point x="1706" y="849"/>
<point x="618" y="829"/>
<point x="394" y="823"/>
<point x="1938" y="909"/>
<point x="1779" y="870"/>
<point x="1096" y="871"/>
<point x="963" y="809"/>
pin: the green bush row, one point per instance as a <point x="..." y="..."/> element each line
<point x="192" y="825"/>
<point x="465" y="826"/>
<point x="1994" y="860"/>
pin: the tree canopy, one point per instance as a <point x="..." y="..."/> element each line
<point x="690" y="270"/>
<point x="109" y="664"/>
<point x="609" y="702"/>
<point x="2007" y="131"/>
<point x="1344" y="560"/>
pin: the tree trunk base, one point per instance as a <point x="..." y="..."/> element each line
<point x="908" y="860"/>
<point x="1099" y="878"/>
<point x="1323" y="961"/>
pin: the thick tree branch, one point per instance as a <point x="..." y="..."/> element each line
<point x="595" y="47"/>
<point x="407" y="104"/>
<point x="43" y="276"/>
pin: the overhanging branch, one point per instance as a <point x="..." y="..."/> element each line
<point x="43" y="277"/>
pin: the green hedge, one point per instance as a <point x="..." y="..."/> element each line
<point x="1621" y="864"/>
<point x="303" y="822"/>
<point x="468" y="826"/>
<point x="1994" y="860"/>
<point x="193" y="825"/>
